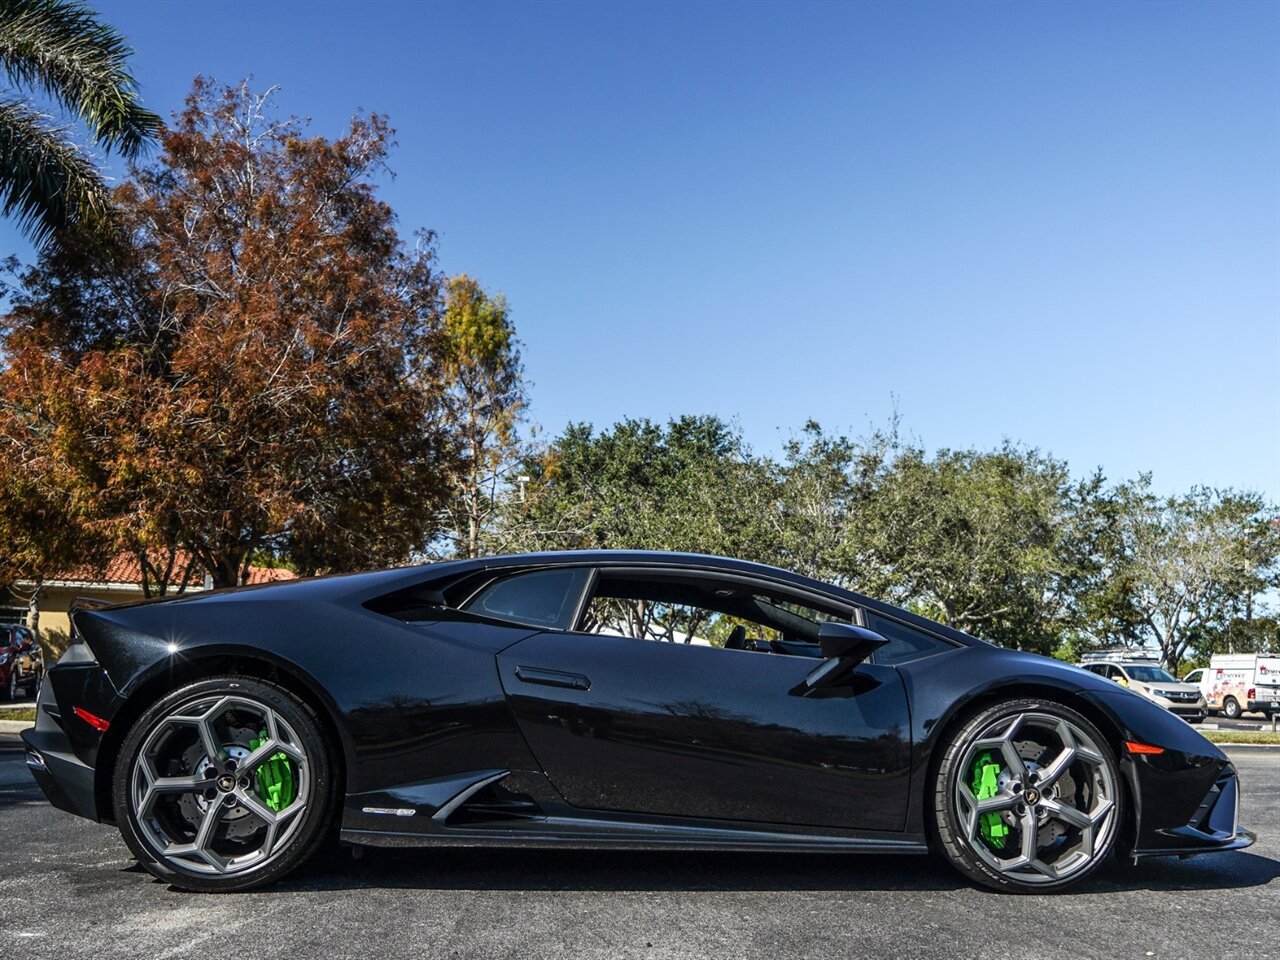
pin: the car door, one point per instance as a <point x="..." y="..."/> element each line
<point x="25" y="648"/>
<point x="684" y="730"/>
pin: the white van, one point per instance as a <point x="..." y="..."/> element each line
<point x="1236" y="682"/>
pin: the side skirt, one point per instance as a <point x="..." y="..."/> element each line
<point x="593" y="834"/>
<point x="492" y="808"/>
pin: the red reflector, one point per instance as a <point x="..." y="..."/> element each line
<point x="1142" y="747"/>
<point x="96" y="722"/>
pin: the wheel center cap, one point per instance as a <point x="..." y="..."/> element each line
<point x="1032" y="796"/>
<point x="226" y="784"/>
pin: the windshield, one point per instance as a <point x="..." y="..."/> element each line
<point x="1149" y="675"/>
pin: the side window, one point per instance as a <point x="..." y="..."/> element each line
<point x="542" y="598"/>
<point x="686" y="608"/>
<point x="905" y="643"/>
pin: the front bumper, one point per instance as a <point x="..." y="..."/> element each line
<point x="1213" y="826"/>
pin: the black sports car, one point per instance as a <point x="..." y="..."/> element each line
<point x="604" y="699"/>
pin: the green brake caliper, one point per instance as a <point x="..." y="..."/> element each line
<point x="275" y="777"/>
<point x="986" y="785"/>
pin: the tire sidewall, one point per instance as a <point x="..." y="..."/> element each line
<point x="304" y="840"/>
<point x="945" y="781"/>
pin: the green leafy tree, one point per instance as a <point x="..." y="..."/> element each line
<point x="484" y="400"/>
<point x="691" y="485"/>
<point x="1185" y="571"/>
<point x="62" y="51"/>
<point x="977" y="540"/>
<point x="818" y="494"/>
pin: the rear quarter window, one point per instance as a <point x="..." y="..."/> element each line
<point x="541" y="598"/>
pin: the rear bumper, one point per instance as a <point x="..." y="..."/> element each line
<point x="67" y="781"/>
<point x="62" y="748"/>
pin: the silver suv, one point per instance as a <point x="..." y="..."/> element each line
<point x="1156" y="684"/>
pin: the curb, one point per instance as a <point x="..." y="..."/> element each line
<point x="16" y="726"/>
<point x="1250" y="746"/>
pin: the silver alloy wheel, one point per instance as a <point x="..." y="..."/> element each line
<point x="197" y="785"/>
<point x="1056" y="798"/>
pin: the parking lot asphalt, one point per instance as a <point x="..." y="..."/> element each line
<point x="69" y="889"/>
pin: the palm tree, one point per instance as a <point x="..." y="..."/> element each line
<point x="62" y="50"/>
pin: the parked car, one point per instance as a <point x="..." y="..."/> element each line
<point x="21" y="662"/>
<point x="1156" y="684"/>
<point x="1237" y="682"/>
<point x="537" y="701"/>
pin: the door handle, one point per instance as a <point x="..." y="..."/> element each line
<point x="553" y="678"/>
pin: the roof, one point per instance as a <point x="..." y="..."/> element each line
<point x="125" y="569"/>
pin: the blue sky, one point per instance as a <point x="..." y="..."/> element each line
<point x="1054" y="223"/>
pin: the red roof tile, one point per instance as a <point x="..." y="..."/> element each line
<point x="125" y="568"/>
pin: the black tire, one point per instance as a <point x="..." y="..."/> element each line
<point x="1231" y="708"/>
<point x="969" y="855"/>
<point x="296" y="839"/>
<point x="11" y="687"/>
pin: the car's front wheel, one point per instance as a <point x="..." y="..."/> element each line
<point x="11" y="685"/>
<point x="1027" y="797"/>
<point x="223" y="785"/>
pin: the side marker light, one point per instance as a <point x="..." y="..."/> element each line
<point x="1133" y="747"/>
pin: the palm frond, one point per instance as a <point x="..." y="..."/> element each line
<point x="47" y="183"/>
<point x="64" y="50"/>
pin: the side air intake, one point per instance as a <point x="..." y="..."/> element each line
<point x="493" y="803"/>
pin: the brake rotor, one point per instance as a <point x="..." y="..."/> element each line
<point x="238" y="822"/>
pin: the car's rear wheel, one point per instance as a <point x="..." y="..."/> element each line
<point x="1231" y="707"/>
<point x="11" y="686"/>
<point x="1027" y="797"/>
<point x="223" y="785"/>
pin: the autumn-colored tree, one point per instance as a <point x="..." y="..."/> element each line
<point x="253" y="365"/>
<point x="484" y="400"/>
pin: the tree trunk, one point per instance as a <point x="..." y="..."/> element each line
<point x="33" y="609"/>
<point x="225" y="567"/>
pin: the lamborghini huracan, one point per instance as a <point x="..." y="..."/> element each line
<point x="604" y="700"/>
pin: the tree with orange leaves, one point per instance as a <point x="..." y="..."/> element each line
<point x="253" y="365"/>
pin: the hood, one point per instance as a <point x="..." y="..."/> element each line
<point x="1177" y="686"/>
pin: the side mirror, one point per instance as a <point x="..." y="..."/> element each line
<point x="843" y="646"/>
<point x="845" y="641"/>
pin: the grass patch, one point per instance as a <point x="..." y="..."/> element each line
<point x="17" y="713"/>
<point x="1243" y="736"/>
